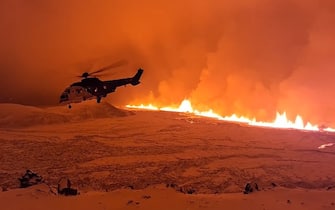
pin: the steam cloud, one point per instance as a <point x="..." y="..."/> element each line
<point x="247" y="57"/>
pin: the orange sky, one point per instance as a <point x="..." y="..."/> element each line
<point x="247" y="57"/>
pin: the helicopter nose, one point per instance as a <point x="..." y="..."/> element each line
<point x="64" y="97"/>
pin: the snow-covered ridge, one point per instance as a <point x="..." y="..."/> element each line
<point x="17" y="116"/>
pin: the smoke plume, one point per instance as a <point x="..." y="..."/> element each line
<point x="251" y="58"/>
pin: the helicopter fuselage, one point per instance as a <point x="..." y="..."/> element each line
<point x="94" y="88"/>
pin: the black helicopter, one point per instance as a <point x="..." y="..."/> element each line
<point x="90" y="87"/>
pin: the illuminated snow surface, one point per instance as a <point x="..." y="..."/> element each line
<point x="115" y="156"/>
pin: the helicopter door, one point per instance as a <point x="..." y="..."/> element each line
<point x="75" y="94"/>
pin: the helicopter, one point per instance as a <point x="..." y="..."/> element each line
<point x="90" y="87"/>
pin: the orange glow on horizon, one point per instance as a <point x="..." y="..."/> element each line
<point x="281" y="120"/>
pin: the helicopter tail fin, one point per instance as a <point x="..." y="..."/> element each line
<point x="136" y="78"/>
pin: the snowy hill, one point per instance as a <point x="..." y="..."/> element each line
<point x="15" y="115"/>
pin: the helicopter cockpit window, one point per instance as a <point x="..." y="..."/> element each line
<point x="64" y="96"/>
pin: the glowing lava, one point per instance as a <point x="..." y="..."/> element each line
<point x="281" y="120"/>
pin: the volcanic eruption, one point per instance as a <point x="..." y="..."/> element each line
<point x="252" y="59"/>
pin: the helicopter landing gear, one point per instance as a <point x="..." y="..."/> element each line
<point x="98" y="99"/>
<point x="69" y="106"/>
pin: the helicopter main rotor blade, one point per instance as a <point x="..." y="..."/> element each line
<point x="114" y="65"/>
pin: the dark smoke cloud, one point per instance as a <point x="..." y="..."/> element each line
<point x="247" y="57"/>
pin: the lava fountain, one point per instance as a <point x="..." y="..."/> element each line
<point x="281" y="120"/>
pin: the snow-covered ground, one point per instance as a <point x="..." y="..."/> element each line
<point x="124" y="155"/>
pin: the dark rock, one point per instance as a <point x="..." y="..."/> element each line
<point x="146" y="196"/>
<point x="29" y="179"/>
<point x="247" y="189"/>
<point x="131" y="202"/>
<point x="187" y="190"/>
<point x="68" y="191"/>
<point x="172" y="185"/>
<point x="190" y="191"/>
<point x="64" y="187"/>
<point x="256" y="187"/>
